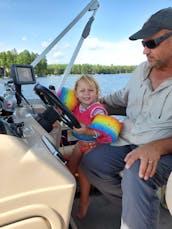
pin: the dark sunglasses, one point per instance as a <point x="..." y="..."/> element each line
<point x="151" y="44"/>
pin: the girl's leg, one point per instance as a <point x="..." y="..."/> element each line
<point x="84" y="195"/>
<point x="74" y="161"/>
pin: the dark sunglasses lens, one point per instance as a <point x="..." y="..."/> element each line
<point x="149" y="44"/>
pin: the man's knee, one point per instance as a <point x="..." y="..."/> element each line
<point x="131" y="180"/>
<point x="93" y="160"/>
<point x="130" y="177"/>
<point x="87" y="161"/>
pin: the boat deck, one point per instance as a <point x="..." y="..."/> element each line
<point x="105" y="215"/>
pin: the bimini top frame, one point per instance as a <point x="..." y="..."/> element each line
<point x="92" y="6"/>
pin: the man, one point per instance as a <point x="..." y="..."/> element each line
<point x="144" y="149"/>
<point x="52" y="88"/>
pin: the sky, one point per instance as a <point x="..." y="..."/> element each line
<point x="33" y="24"/>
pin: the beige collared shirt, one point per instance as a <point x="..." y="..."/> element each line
<point x="149" y="112"/>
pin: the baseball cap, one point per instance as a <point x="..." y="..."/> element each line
<point x="158" y="21"/>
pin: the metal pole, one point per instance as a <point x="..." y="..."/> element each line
<point x="91" y="6"/>
<point x="85" y="34"/>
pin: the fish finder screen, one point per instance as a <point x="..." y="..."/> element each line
<point x="23" y="74"/>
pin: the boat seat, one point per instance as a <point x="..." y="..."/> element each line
<point x="168" y="193"/>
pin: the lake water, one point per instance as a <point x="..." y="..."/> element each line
<point x="108" y="83"/>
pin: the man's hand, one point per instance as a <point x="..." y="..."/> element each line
<point x="149" y="155"/>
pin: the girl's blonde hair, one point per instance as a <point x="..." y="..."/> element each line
<point x="89" y="80"/>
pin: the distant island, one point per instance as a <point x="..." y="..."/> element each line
<point x="43" y="69"/>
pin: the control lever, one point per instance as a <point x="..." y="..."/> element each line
<point x="52" y="148"/>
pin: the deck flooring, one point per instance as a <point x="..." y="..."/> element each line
<point x="104" y="215"/>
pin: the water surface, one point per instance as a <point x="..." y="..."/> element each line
<point x="108" y="83"/>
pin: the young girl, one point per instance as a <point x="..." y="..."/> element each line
<point x="87" y="92"/>
<point x="96" y="128"/>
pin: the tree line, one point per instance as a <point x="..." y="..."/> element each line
<point x="25" y="57"/>
<point x="43" y="69"/>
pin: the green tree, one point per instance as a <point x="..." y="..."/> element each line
<point x="41" y="68"/>
<point x="24" y="57"/>
<point x="86" y="69"/>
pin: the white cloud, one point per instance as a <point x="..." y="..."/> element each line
<point x="95" y="51"/>
<point x="58" y="54"/>
<point x="24" y="38"/>
<point x="125" y="52"/>
<point x="55" y="57"/>
<point x="44" y="44"/>
<point x="93" y="44"/>
<point x="66" y="46"/>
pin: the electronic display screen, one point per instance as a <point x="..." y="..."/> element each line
<point x="22" y="74"/>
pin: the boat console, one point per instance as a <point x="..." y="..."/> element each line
<point x="37" y="190"/>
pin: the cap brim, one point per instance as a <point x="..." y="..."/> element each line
<point x="145" y="32"/>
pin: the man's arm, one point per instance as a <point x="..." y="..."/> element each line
<point x="117" y="110"/>
<point x="115" y="103"/>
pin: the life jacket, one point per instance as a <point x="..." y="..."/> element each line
<point x="87" y="116"/>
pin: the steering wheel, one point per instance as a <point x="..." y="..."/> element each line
<point x="64" y="114"/>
